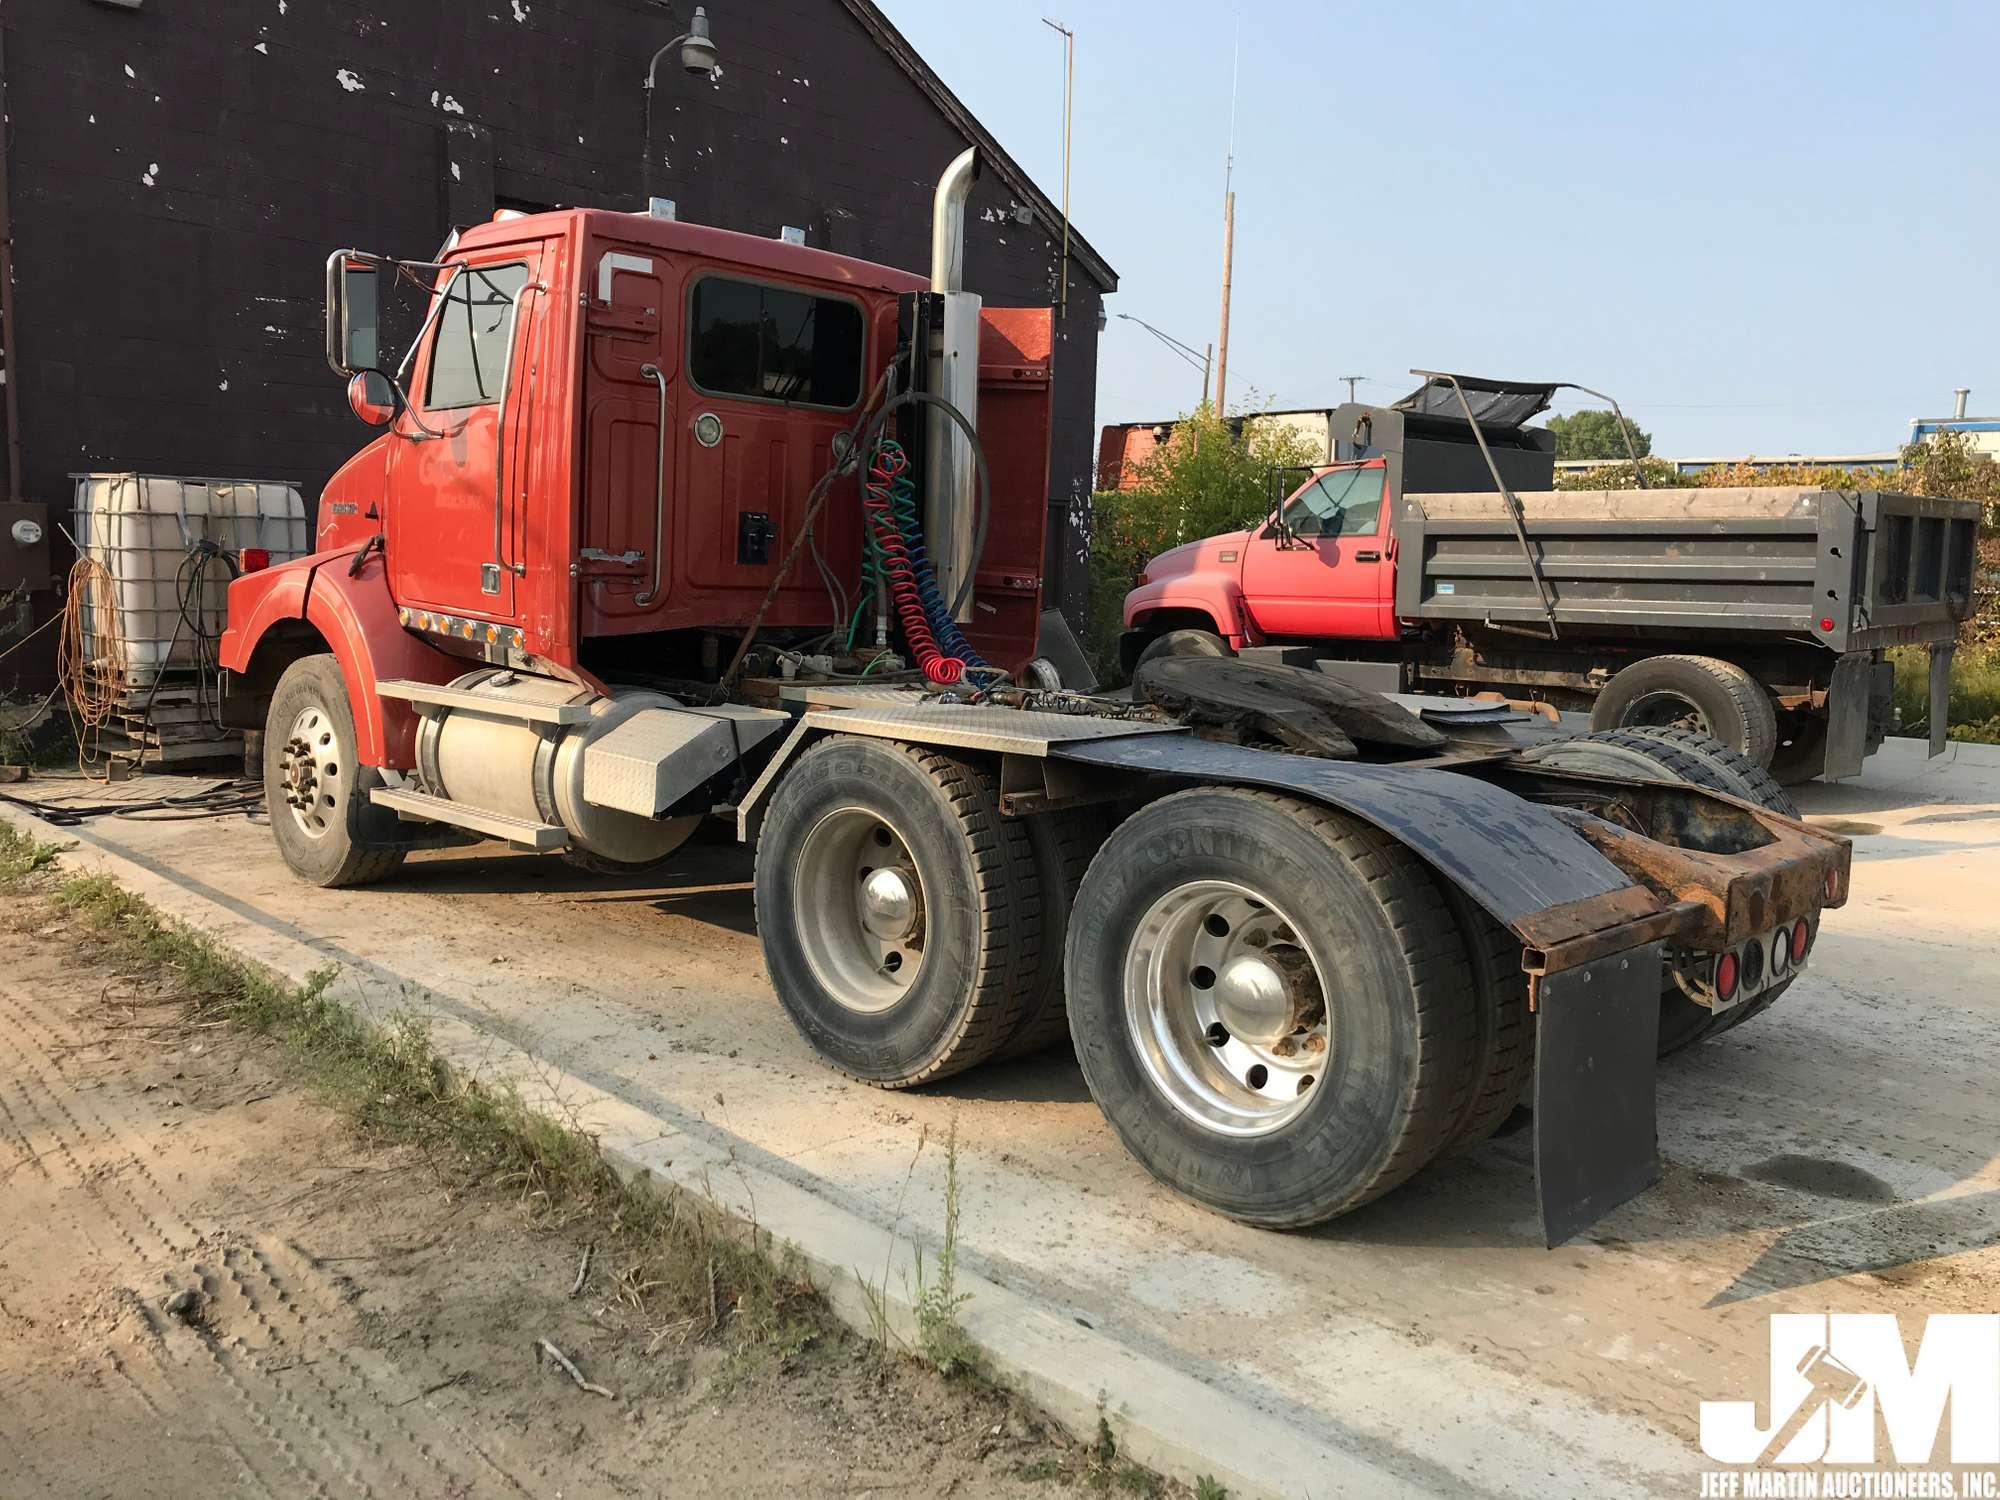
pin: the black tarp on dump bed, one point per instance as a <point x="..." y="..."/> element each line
<point x="1498" y="406"/>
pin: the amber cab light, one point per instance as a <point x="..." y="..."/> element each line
<point x="1725" y="975"/>
<point x="254" y="559"/>
<point x="1801" y="940"/>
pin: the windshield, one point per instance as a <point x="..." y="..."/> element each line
<point x="1346" y="502"/>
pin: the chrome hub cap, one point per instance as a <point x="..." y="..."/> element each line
<point x="310" y="769"/>
<point x="860" y="906"/>
<point x="1226" y="1007"/>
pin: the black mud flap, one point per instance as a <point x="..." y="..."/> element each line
<point x="1597" y="1037"/>
<point x="1940" y="696"/>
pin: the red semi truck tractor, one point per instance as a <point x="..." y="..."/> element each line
<point x="1436" y="556"/>
<point x="666" y="523"/>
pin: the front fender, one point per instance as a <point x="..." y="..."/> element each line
<point x="356" y="617"/>
<point x="1217" y="597"/>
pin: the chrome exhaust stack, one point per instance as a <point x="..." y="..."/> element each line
<point x="950" y="477"/>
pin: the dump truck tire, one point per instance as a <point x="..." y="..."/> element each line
<point x="897" y="910"/>
<point x="1184" y="643"/>
<point x="1506" y="1045"/>
<point x="1208" y="925"/>
<point x="310" y="759"/>
<point x="1712" y="697"/>
<point x="1062" y="846"/>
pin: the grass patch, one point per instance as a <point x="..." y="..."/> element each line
<point x="688" y="1268"/>
<point x="1975" y="692"/>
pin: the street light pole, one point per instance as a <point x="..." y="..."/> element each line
<point x="1069" y="85"/>
<point x="697" y="56"/>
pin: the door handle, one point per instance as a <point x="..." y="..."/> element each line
<point x="658" y="377"/>
<point x="1367" y="557"/>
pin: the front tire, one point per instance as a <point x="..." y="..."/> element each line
<point x="315" y="788"/>
<point x="1271" y="1004"/>
<point x="1183" y="643"/>
<point x="897" y="910"/>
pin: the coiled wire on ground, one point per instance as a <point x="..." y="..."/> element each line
<point x="90" y="666"/>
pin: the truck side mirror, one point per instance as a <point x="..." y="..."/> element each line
<point x="353" y="315"/>
<point x="369" y="399"/>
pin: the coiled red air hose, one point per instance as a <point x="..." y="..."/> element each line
<point x="890" y="462"/>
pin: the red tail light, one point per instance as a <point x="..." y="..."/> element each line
<point x="254" y="559"/>
<point x="1833" y="885"/>
<point x="1725" y="976"/>
<point x="1801" y="940"/>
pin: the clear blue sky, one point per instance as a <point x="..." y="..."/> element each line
<point x="1764" y="227"/>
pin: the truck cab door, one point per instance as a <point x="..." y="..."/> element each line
<point x="452" y="535"/>
<point x="1326" y="572"/>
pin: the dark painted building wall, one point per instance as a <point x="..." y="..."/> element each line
<point x="178" y="171"/>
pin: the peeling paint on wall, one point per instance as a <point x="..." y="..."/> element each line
<point x="350" y="81"/>
<point x="149" y="174"/>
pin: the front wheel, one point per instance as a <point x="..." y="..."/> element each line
<point x="1271" y="1004"/>
<point x="315" y="788"/>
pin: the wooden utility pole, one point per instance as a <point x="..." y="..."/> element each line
<point x="1222" y="339"/>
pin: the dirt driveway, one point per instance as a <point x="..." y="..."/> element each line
<point x="211" y="1285"/>
<point x="1837" y="1154"/>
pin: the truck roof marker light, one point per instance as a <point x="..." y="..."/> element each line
<point x="1725" y="976"/>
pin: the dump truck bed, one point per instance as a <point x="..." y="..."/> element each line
<point x="1884" y="569"/>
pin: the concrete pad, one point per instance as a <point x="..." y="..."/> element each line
<point x="1834" y="1153"/>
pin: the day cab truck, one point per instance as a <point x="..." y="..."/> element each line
<point x="1435" y="555"/>
<point x="666" y="523"/>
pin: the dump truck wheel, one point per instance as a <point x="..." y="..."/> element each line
<point x="315" y="787"/>
<point x="1184" y="643"/>
<point x="897" y="910"/>
<point x="1506" y="1047"/>
<point x="1271" y="1004"/>
<point x="1711" y="697"/>
<point x="1062" y="847"/>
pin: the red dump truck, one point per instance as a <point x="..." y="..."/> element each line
<point x="1436" y="556"/>
<point x="666" y="523"/>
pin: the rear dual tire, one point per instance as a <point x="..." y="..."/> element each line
<point x="1710" y="697"/>
<point x="1209" y="922"/>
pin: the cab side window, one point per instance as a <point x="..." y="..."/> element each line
<point x="774" y="343"/>
<point x="1347" y="502"/>
<point x="475" y="330"/>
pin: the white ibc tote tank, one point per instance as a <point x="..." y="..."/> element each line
<point x="142" y="528"/>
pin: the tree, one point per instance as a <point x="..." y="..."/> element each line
<point x="1594" y="434"/>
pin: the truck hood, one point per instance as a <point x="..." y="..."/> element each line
<point x="1204" y="556"/>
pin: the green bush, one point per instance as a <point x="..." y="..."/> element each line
<point x="1975" y="692"/>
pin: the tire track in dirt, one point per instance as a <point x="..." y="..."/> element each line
<point x="157" y="1235"/>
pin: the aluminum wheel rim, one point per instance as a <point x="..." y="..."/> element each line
<point x="862" y="916"/>
<point x="1197" y="974"/>
<point x="313" y="771"/>
<point x="1665" y="710"/>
